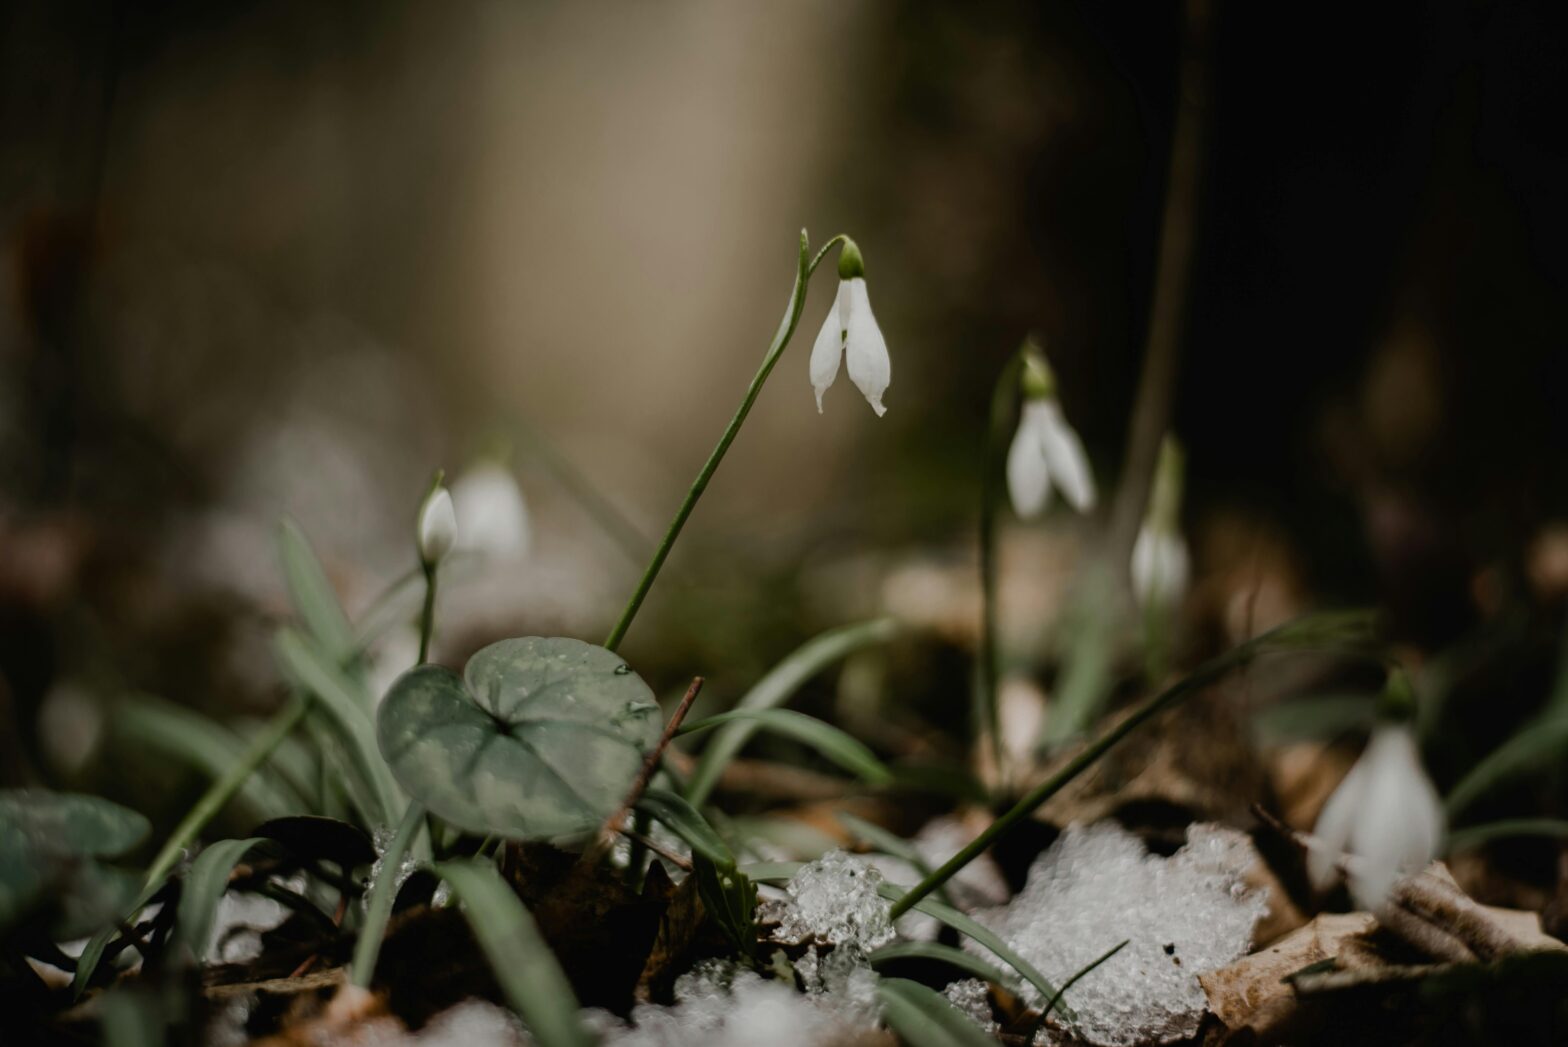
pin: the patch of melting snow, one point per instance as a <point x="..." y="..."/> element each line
<point x="976" y="884"/>
<point x="973" y="997"/>
<point x="241" y="919"/>
<point x="718" y="1003"/>
<point x="834" y="900"/>
<point x="1181" y="916"/>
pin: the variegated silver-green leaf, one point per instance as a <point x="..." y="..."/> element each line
<point x="540" y="737"/>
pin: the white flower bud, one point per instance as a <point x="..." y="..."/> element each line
<point x="850" y="332"/>
<point x="437" y="526"/>
<point x="1046" y="452"/>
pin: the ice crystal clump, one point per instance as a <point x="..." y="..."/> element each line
<point x="1180" y="916"/>
<point x="381" y="839"/>
<point x="719" y="1005"/>
<point x="973" y="997"/>
<point x="834" y="899"/>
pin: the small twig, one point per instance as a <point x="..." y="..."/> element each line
<point x="657" y="848"/>
<point x="614" y="823"/>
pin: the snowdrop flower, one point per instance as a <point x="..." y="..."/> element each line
<point x="437" y="526"/>
<point x="1160" y="565"/>
<point x="1046" y="452"/>
<point x="492" y="518"/>
<point x="1386" y="812"/>
<point x="851" y="332"/>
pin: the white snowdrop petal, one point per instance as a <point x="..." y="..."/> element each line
<point x="829" y="348"/>
<point x="1335" y="824"/>
<point x="492" y="518"/>
<point x="865" y="350"/>
<point x="1160" y="566"/>
<point x="1064" y="452"/>
<point x="437" y="525"/>
<point x="1028" y="476"/>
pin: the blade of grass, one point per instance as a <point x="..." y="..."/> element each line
<point x="1057" y="1001"/>
<point x="1538" y="744"/>
<point x="188" y="736"/>
<point x="307" y="666"/>
<point x="776" y="688"/>
<point x="687" y="822"/>
<point x="923" y="1017"/>
<point x="203" y="889"/>
<point x="524" y="965"/>
<point x="967" y="962"/>
<point x="383" y="893"/>
<point x="313" y="596"/>
<point x="841" y="748"/>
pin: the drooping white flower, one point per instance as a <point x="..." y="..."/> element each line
<point x="1047" y="453"/>
<point x="850" y="332"/>
<point x="1386" y="812"/>
<point x="437" y="526"/>
<point x="1161" y="567"/>
<point x="492" y="518"/>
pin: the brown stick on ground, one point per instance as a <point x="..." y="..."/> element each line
<point x="614" y="823"/>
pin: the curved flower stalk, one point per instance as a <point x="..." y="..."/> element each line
<point x="1046" y="452"/>
<point x="1161" y="567"/>
<point x="1386" y="812"/>
<point x="850" y="333"/>
<point x="492" y="516"/>
<point x="861" y="341"/>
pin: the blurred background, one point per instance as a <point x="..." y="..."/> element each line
<point x="267" y="259"/>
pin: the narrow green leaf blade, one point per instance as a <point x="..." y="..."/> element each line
<point x="842" y="749"/>
<point x="776" y="688"/>
<point x="967" y="962"/>
<point x="687" y="822"/>
<point x="345" y="700"/>
<point x="204" y="887"/>
<point x="1476" y="835"/>
<point x="314" y="598"/>
<point x="524" y="965"/>
<point x="923" y="1017"/>
<point x="188" y="736"/>
<point x="1538" y="744"/>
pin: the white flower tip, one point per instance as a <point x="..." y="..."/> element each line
<point x="876" y="405"/>
<point x="437" y="526"/>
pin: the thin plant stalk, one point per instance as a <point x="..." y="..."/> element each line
<point x="987" y="704"/>
<point x="427" y="615"/>
<point x="221" y="791"/>
<point x="1302" y="634"/>
<point x="781" y="338"/>
<point x="378" y="907"/>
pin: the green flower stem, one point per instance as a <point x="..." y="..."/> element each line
<point x="781" y="337"/>
<point x="222" y="791"/>
<point x="1303" y="634"/>
<point x="427" y="616"/>
<point x="991" y="470"/>
<point x="378" y="907"/>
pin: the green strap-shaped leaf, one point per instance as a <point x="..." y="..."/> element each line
<point x="187" y="735"/>
<point x="842" y="749"/>
<point x="523" y="964"/>
<point x="923" y="1017"/>
<point x="687" y="822"/>
<point x="308" y="667"/>
<point x="776" y="688"/>
<point x="204" y="887"/>
<point x="313" y="596"/>
<point x="967" y="962"/>
<point x="1538" y="744"/>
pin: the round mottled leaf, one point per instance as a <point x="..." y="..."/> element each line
<point x="71" y="823"/>
<point x="47" y="837"/>
<point x="540" y="737"/>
